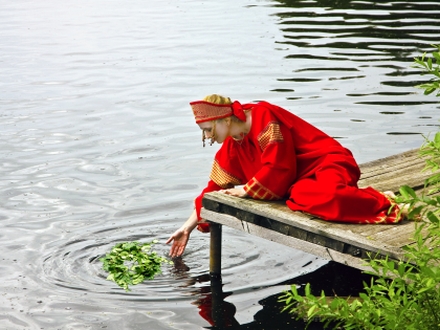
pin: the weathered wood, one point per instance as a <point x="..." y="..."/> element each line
<point x="299" y="244"/>
<point x="215" y="264"/>
<point x="392" y="172"/>
<point x="341" y="242"/>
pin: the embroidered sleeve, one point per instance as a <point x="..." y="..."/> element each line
<point x="222" y="178"/>
<point x="257" y="191"/>
<point x="270" y="134"/>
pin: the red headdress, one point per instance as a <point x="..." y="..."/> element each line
<point x="207" y="111"/>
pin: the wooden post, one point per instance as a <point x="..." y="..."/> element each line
<point x="215" y="269"/>
<point x="215" y="253"/>
<point x="217" y="312"/>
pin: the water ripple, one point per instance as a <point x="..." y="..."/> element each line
<point x="98" y="145"/>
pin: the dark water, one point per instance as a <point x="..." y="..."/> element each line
<point x="98" y="145"/>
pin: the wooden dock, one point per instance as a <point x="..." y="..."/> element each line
<point x="344" y="243"/>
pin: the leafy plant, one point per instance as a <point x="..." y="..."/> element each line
<point x="428" y="204"/>
<point x="131" y="263"/>
<point x="404" y="294"/>
<point x="428" y="67"/>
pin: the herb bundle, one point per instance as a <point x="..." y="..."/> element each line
<point x="131" y="263"/>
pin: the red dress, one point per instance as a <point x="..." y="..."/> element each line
<point x="284" y="157"/>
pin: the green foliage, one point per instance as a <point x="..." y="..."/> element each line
<point x="432" y="67"/>
<point x="428" y="204"/>
<point x="404" y="294"/>
<point x="131" y="263"/>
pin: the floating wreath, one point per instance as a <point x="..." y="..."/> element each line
<point x="131" y="263"/>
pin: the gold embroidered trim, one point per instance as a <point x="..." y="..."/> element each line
<point x="223" y="178"/>
<point x="257" y="191"/>
<point x="206" y="111"/>
<point x="270" y="134"/>
<point x="393" y="215"/>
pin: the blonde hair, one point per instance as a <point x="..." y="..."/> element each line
<point x="217" y="99"/>
<point x="221" y="100"/>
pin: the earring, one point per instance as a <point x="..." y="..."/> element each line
<point x="213" y="134"/>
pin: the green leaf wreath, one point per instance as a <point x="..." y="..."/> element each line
<point x="131" y="263"/>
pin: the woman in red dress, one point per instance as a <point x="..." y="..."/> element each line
<point x="272" y="154"/>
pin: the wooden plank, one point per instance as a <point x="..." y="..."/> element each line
<point x="391" y="162"/>
<point x="392" y="172"/>
<point x="398" y="235"/>
<point x="292" y="242"/>
<point x="345" y="243"/>
<point x="283" y="214"/>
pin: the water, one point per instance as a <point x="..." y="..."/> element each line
<point x="98" y="144"/>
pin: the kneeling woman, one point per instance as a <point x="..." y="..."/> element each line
<point x="277" y="155"/>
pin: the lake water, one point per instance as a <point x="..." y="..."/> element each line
<point x="98" y="144"/>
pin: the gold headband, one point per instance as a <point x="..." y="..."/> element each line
<point x="206" y="111"/>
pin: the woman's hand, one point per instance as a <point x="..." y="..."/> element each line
<point x="180" y="240"/>
<point x="236" y="192"/>
<point x="181" y="236"/>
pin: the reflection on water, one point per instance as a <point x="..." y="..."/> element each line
<point x="332" y="279"/>
<point x="353" y="58"/>
<point x="98" y="145"/>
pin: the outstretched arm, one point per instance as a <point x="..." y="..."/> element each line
<point x="181" y="236"/>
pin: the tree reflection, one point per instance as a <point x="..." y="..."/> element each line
<point x="376" y="39"/>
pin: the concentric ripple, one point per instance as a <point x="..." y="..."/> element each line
<point x="247" y="264"/>
<point x="98" y="145"/>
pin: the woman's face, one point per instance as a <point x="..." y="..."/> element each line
<point x="217" y="130"/>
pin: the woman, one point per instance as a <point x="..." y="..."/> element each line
<point x="277" y="155"/>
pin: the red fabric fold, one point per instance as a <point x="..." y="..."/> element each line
<point x="238" y="110"/>
<point x="203" y="226"/>
<point x="295" y="160"/>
